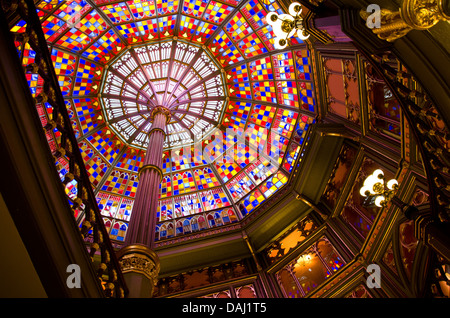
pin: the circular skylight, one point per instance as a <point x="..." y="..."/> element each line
<point x="177" y="75"/>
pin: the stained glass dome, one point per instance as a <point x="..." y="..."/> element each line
<point x="214" y="65"/>
<point x="168" y="74"/>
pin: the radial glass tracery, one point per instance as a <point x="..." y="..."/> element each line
<point x="214" y="65"/>
<point x="178" y="75"/>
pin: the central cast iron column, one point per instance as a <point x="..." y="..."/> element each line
<point x="140" y="264"/>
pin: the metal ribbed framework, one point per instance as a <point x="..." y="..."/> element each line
<point x="174" y="74"/>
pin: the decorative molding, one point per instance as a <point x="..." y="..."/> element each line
<point x="139" y="259"/>
<point x="152" y="130"/>
<point x="151" y="167"/>
<point x="163" y="110"/>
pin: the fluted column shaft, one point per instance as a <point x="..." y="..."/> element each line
<point x="142" y="225"/>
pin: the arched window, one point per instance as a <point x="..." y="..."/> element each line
<point x="202" y="223"/>
<point x="225" y="217"/>
<point x="170" y="230"/>
<point x="107" y="223"/>
<point x="232" y="215"/>
<point x="166" y="187"/>
<point x="186" y="226"/>
<point x="118" y="231"/>
<point x="157" y="232"/>
<point x="218" y="219"/>
<point x="211" y="221"/>
<point x="163" y="231"/>
<point x="194" y="224"/>
<point x="179" y="228"/>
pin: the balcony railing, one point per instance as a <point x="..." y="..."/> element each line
<point x="33" y="54"/>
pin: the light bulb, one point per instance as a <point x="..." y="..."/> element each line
<point x="292" y="8"/>
<point x="281" y="45"/>
<point x="391" y="184"/>
<point x="363" y="191"/>
<point x="276" y="27"/>
<point x="301" y="36"/>
<point x="378" y="201"/>
<point x="377" y="173"/>
<point x="270" y="16"/>
<point x="370" y="181"/>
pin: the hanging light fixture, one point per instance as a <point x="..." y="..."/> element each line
<point x="376" y="186"/>
<point x="286" y="25"/>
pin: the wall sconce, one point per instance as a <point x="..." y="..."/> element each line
<point x="376" y="186"/>
<point x="286" y="25"/>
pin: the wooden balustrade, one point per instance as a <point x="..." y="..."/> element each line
<point x="64" y="147"/>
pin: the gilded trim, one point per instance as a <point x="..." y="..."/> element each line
<point x="163" y="110"/>
<point x="139" y="259"/>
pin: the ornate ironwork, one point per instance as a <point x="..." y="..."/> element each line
<point x="413" y="15"/>
<point x="430" y="132"/>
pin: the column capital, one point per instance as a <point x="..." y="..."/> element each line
<point x="152" y="130"/>
<point x="138" y="259"/>
<point x="150" y="166"/>
<point x="163" y="110"/>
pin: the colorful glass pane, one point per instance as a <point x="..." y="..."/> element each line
<point x="261" y="70"/>
<point x="238" y="27"/>
<point x="263" y="115"/>
<point x="306" y="93"/>
<point x="264" y="91"/>
<point x="251" y="202"/>
<point x="252" y="46"/>
<point x="255" y="13"/>
<point x="238" y="74"/>
<point x="226" y="167"/>
<point x="283" y="65"/>
<point x="96" y="168"/>
<point x="187" y="205"/>
<point x="142" y="9"/>
<point x="240" y="90"/>
<point x="216" y="12"/>
<point x="165" y="210"/>
<point x="195" y="7"/>
<point x="214" y="199"/>
<point x="63" y="63"/>
<point x="166" y="186"/>
<point x="183" y="182"/>
<point x="117" y="12"/>
<point x="273" y="184"/>
<point x="205" y="178"/>
<point x="261" y="170"/>
<point x="132" y="186"/>
<point x="118" y="231"/>
<point x="240" y="186"/>
<point x="291" y="156"/>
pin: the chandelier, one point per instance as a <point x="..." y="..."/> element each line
<point x="286" y="25"/>
<point x="375" y="186"/>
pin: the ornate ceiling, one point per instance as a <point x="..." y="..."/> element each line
<point x="240" y="108"/>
